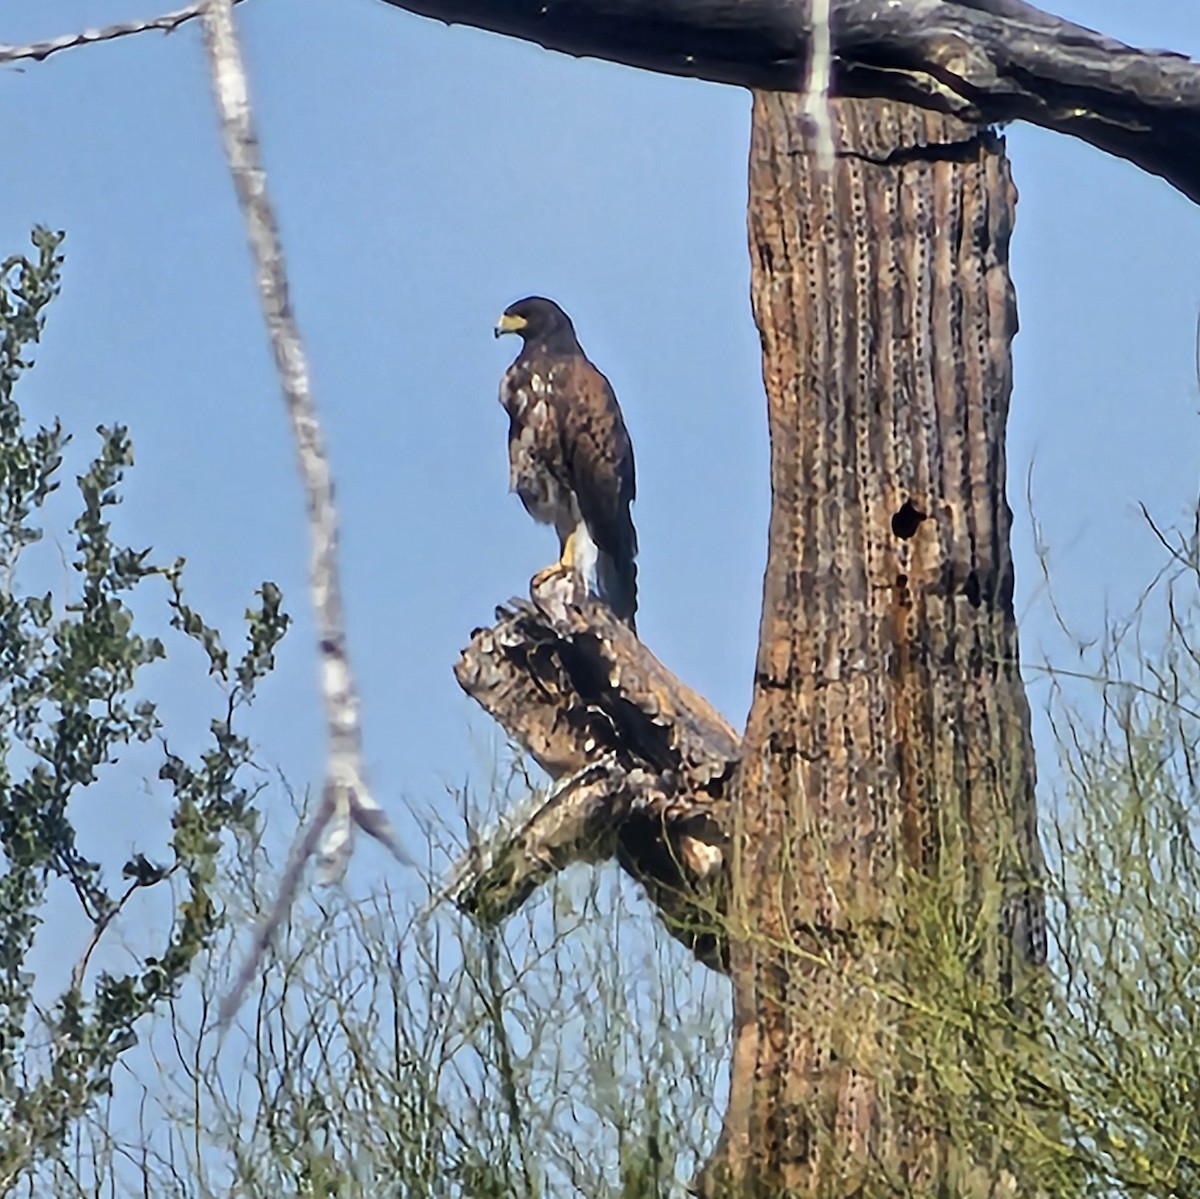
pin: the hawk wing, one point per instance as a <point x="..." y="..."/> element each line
<point x="537" y="472"/>
<point x="598" y="456"/>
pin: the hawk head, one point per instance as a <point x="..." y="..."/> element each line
<point x="536" y="319"/>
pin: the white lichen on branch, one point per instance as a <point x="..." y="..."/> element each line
<point x="345" y="799"/>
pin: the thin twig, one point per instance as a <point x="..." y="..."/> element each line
<point x="100" y="926"/>
<point x="345" y="799"/>
<point x="289" y="884"/>
<point x="38" y="51"/>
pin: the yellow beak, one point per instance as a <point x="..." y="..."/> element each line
<point x="509" y="324"/>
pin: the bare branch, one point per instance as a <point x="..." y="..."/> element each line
<point x="101" y="926"/>
<point x="38" y="51"/>
<point x="345" y="799"/>
<point x="289" y="884"/>
<point x="575" y="821"/>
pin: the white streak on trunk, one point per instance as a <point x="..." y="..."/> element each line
<point x="817" y="80"/>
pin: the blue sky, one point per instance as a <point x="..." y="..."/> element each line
<point x="425" y="177"/>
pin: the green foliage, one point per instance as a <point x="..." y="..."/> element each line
<point x="393" y="1054"/>
<point x="71" y="699"/>
<point x="1093" y="1091"/>
<point x="1126" y="847"/>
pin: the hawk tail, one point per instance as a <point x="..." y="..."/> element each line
<point x="616" y="579"/>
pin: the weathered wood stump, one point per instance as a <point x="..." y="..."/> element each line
<point x="639" y="763"/>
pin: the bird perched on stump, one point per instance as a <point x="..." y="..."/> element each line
<point x="570" y="457"/>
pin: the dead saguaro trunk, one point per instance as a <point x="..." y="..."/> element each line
<point x="885" y="797"/>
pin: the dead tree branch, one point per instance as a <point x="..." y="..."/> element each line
<point x="985" y="61"/>
<point x="37" y="51"/>
<point x="639" y="762"/>
<point x="345" y="799"/>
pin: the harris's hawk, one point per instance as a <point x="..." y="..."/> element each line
<point x="570" y="457"/>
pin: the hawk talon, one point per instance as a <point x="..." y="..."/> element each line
<point x="557" y="588"/>
<point x="546" y="576"/>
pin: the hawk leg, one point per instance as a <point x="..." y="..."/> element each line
<point x="566" y="564"/>
<point x="570" y="552"/>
